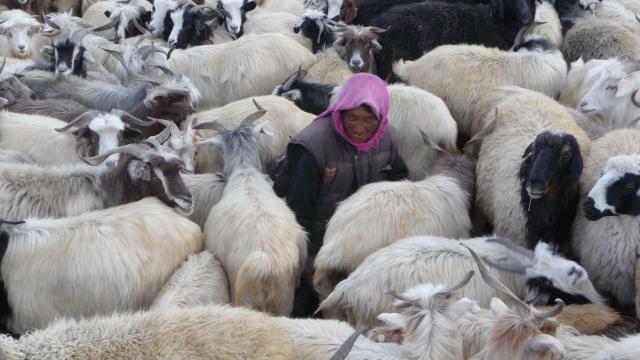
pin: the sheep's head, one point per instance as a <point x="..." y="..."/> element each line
<point x="614" y="92"/>
<point x="358" y="44"/>
<point x="617" y="192"/>
<point x="192" y="25"/>
<point x="547" y="275"/>
<point x="18" y="27"/>
<point x="239" y="145"/>
<point x="152" y="172"/>
<point x="68" y="54"/>
<point x="316" y="26"/>
<point x="551" y="163"/>
<point x="522" y="332"/>
<point x="98" y="132"/>
<point x="235" y="14"/>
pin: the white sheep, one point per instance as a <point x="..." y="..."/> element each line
<point x="514" y="181"/>
<point x="460" y="74"/>
<point x="416" y="260"/>
<point x="199" y="281"/>
<point x="254" y="233"/>
<point x="611" y="263"/>
<point x="95" y="263"/>
<point x="381" y="213"/>
<point x="17" y="30"/>
<point x="285" y="120"/>
<point x="273" y="58"/>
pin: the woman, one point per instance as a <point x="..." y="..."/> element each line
<point x="346" y="147"/>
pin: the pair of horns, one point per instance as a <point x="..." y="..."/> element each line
<point x="215" y="125"/>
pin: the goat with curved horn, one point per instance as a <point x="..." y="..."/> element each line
<point x="133" y="75"/>
<point x="81" y="120"/>
<point x="255" y="116"/>
<point x="212" y="125"/>
<point x="130" y="119"/>
<point x="513" y="247"/>
<point x="137" y="150"/>
<point x="110" y="25"/>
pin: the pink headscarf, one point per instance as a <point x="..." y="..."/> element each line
<point x="361" y="89"/>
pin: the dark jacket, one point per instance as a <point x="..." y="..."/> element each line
<point x="321" y="169"/>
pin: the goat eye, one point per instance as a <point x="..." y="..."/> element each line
<point x="612" y="87"/>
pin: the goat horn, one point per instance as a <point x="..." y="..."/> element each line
<point x="164" y="69"/>
<point x="513" y="247"/>
<point x="398" y="296"/>
<point x="545" y="314"/>
<point x="486" y="131"/>
<point x="111" y="24"/>
<point x="139" y="27"/>
<point x="139" y="151"/>
<point x="4" y="62"/>
<point x="376" y="30"/>
<point x="11" y="222"/>
<point x="430" y="144"/>
<point x="207" y="7"/>
<point x="495" y="283"/>
<point x="633" y="98"/>
<point x="162" y="137"/>
<point x="345" y="348"/>
<point x="81" y="120"/>
<point x="130" y="73"/>
<point x="147" y="50"/>
<point x="465" y="280"/>
<point x="212" y="125"/>
<point x="289" y="82"/>
<point x="50" y="22"/>
<point x="320" y="28"/>
<point x="510" y="267"/>
<point x="255" y="116"/>
<point x="130" y="119"/>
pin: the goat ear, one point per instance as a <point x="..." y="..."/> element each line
<point x="625" y="87"/>
<point x="543" y="347"/>
<point x="47" y="50"/>
<point x="498" y="308"/>
<point x="263" y="128"/>
<point x="250" y="5"/>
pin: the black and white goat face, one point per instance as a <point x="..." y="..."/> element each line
<point x="191" y="26"/>
<point x="123" y="16"/>
<point x="617" y="192"/>
<point x="68" y="54"/>
<point x="316" y="26"/>
<point x="18" y="28"/>
<point x="358" y="43"/>
<point x="550" y="162"/>
<point x="161" y="9"/>
<point x="235" y="12"/>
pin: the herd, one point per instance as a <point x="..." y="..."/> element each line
<point x="138" y="219"/>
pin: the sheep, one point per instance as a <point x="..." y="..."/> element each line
<point x="95" y="263"/>
<point x="537" y="65"/>
<point x="121" y="15"/>
<point x="410" y="109"/>
<point x="228" y="64"/>
<point x="601" y="39"/>
<point x="379" y="214"/>
<point x="285" y="120"/>
<point x="416" y="260"/>
<point x="16" y="34"/>
<point x="528" y="168"/>
<point x="611" y="171"/>
<point x="45" y="140"/>
<point x="414" y="29"/>
<point x="199" y="281"/>
<point x="613" y="99"/>
<point x="39" y="191"/>
<point x="255" y="234"/>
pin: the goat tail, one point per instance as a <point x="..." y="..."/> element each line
<point x="255" y="271"/>
<point x="400" y="69"/>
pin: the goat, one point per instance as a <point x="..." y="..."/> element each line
<point x="35" y="191"/>
<point x="191" y="25"/>
<point x="613" y="99"/>
<point x="235" y="14"/>
<point x="437" y="205"/>
<point x="583" y="347"/>
<point x="120" y="18"/>
<point x="410" y="109"/>
<point x="228" y="63"/>
<point x="359" y="45"/>
<point x="582" y="76"/>
<point x="315" y="26"/>
<point x="595" y="38"/>
<point x="199" y="281"/>
<point x="416" y="260"/>
<point x="34" y="7"/>
<point x="414" y="29"/>
<point x="16" y="34"/>
<point x="536" y="64"/>
<point x="45" y="139"/>
<point x="528" y="168"/>
<point x="610" y="210"/>
<point x="97" y="263"/>
<point x="263" y="266"/>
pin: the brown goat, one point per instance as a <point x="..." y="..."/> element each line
<point x="356" y="45"/>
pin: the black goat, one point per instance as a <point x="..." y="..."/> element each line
<point x="414" y="29"/>
<point x="316" y="26"/>
<point x="550" y="192"/>
<point x="309" y="97"/>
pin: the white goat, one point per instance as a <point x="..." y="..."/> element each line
<point x="594" y="38"/>
<point x="613" y="161"/>
<point x="379" y="214"/>
<point x="445" y="72"/>
<point x="199" y="281"/>
<point x="95" y="263"/>
<point x="17" y="30"/>
<point x="229" y="64"/>
<point x="285" y="120"/>
<point x="329" y="69"/>
<point x="581" y="78"/>
<point x="254" y="233"/>
<point x="583" y="347"/>
<point x="417" y="260"/>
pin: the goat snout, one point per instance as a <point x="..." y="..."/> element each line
<point x="585" y="107"/>
<point x="62" y="68"/>
<point x="110" y="164"/>
<point x="536" y="189"/>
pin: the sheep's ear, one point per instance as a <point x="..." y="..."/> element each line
<point x="498" y="308"/>
<point x="47" y="50"/>
<point x="625" y="87"/>
<point x="263" y="128"/>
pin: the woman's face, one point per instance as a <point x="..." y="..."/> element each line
<point x="359" y="123"/>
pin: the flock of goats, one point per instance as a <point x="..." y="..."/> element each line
<point x="135" y="139"/>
